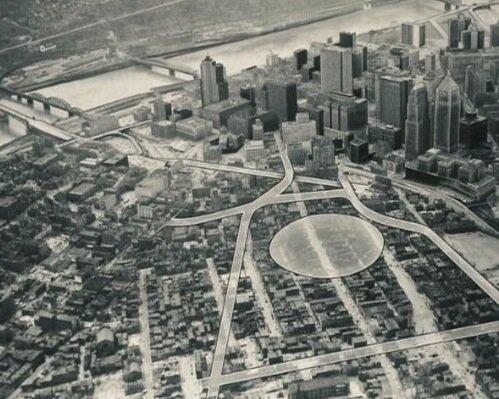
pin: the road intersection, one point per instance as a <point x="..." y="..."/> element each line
<point x="275" y="196"/>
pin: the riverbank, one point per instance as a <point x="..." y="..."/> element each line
<point x="122" y="64"/>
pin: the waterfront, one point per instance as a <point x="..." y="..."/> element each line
<point x="111" y="86"/>
<point x="239" y="55"/>
<point x="107" y="87"/>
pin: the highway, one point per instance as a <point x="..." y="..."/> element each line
<point x="354" y="353"/>
<point x="230" y="297"/>
<point x="429" y="192"/>
<point x="466" y="267"/>
<point x="255" y="172"/>
<point x="38" y="124"/>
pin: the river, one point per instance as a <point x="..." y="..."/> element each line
<point x="107" y="87"/>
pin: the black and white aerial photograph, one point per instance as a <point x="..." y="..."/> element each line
<point x="249" y="199"/>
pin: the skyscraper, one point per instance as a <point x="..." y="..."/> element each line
<point x="214" y="86"/>
<point x="455" y="27"/>
<point x="280" y="97"/>
<point x="413" y="34"/>
<point x="417" y="125"/>
<point x="337" y="69"/>
<point x="494" y="34"/>
<point x="348" y="39"/>
<point x="474" y="82"/>
<point x="473" y="38"/>
<point x="447" y="115"/>
<point x="392" y="93"/>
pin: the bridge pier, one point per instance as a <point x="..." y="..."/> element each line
<point x="171" y="72"/>
<point x="46" y="108"/>
<point x="14" y="122"/>
<point x="30" y="101"/>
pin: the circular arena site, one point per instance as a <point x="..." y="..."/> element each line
<point x="327" y="246"/>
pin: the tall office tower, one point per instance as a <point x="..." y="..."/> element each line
<point x="417" y="124"/>
<point x="447" y="115"/>
<point x="413" y="34"/>
<point x="280" y="97"/>
<point x="323" y="151"/>
<point x="474" y="82"/>
<point x="455" y="27"/>
<point x="407" y="33"/>
<point x="431" y="82"/>
<point x="348" y="39"/>
<point x="359" y="61"/>
<point x="162" y="110"/>
<point x="300" y="58"/>
<point x="337" y="69"/>
<point x="391" y="100"/>
<point x="494" y="35"/>
<point x="214" y="86"/>
<point x="473" y="38"/>
<point x="346" y="113"/>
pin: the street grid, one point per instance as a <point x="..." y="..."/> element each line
<point x="275" y="195"/>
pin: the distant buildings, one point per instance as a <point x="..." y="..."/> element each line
<point x="494" y="35"/>
<point x="214" y="86"/>
<point x="456" y="26"/>
<point x="473" y="38"/>
<point x="413" y="34"/>
<point x="417" y="124"/>
<point x="447" y="115"/>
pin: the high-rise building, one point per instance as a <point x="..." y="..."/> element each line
<point x="359" y="151"/>
<point x="337" y="69"/>
<point x="214" y="86"/>
<point x="417" y="124"/>
<point x="494" y="35"/>
<point x="447" y="115"/>
<point x="162" y="110"/>
<point x="474" y="82"/>
<point x="300" y="58"/>
<point x="413" y="34"/>
<point x="346" y="113"/>
<point x="348" y="39"/>
<point x="280" y="97"/>
<point x="455" y="27"/>
<point x="472" y="130"/>
<point x="473" y="38"/>
<point x="392" y="93"/>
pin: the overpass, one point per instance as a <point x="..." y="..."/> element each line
<point x="48" y="104"/>
<point x="34" y="125"/>
<point x="171" y="67"/>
